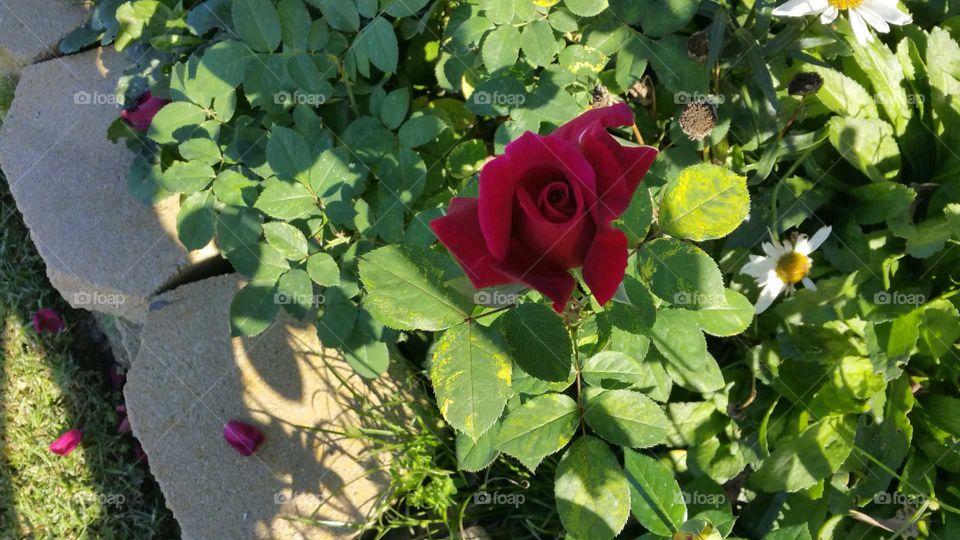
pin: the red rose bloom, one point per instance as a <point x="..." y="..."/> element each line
<point x="547" y="206"/>
<point x="142" y="115"/>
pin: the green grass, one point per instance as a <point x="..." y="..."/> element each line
<point x="49" y="384"/>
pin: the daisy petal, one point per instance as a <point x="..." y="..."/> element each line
<point x="874" y="20"/>
<point x="769" y="293"/>
<point x="860" y="29"/>
<point x="758" y="266"/>
<point x="888" y="12"/>
<point x="818" y="239"/>
<point x="829" y="15"/>
<point x="808" y="283"/>
<point x="799" y="8"/>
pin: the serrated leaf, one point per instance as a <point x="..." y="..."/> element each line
<point x="538" y="342"/>
<point x="471" y="378"/>
<point x="867" y="144"/>
<point x="614" y="369"/>
<point x="336" y="323"/>
<point x="681" y="274"/>
<point x="678" y="338"/>
<point x="379" y="44"/>
<point x="636" y="312"/>
<point x="394" y="107"/>
<point x="586" y="8"/>
<point x="288" y="154"/>
<point x="257" y="23"/>
<point x="252" y="309"/>
<point x="705" y="202"/>
<point x="625" y="417"/>
<point x="593" y="496"/>
<point x="295" y="293"/>
<point x="474" y="456"/>
<point x="729" y="319"/>
<point x="176" y="122"/>
<point x="538" y="43"/>
<point x="393" y="275"/>
<point x="323" y="270"/>
<point x="655" y="497"/>
<point x="286" y="200"/>
<point x="287" y="239"/>
<point x="538" y="428"/>
<point x="812" y="456"/>
<point x="196" y="220"/>
<point x="187" y="177"/>
<point x="501" y="48"/>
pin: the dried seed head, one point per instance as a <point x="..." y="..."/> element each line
<point x="601" y="97"/>
<point x="805" y="83"/>
<point x="698" y="119"/>
<point x="698" y="47"/>
<point x="642" y="91"/>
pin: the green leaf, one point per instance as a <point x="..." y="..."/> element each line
<point x="252" y="309"/>
<point x="420" y="129"/>
<point x="474" y="456"/>
<point x="201" y="150"/>
<point x="323" y="270"/>
<point x="378" y="42"/>
<point x="257" y="24"/>
<point x="681" y="274"/>
<point x="673" y="65"/>
<point x="187" y="177"/>
<point x="729" y="319"/>
<point x="393" y="275"/>
<point x="471" y="377"/>
<point x="886" y="76"/>
<point x="705" y="202"/>
<point x="655" y="497"/>
<point x="631" y="63"/>
<point x="287" y="239"/>
<point x="394" y="107"/>
<point x="501" y="48"/>
<point x="538" y="342"/>
<point x="614" y="369"/>
<point x="880" y="201"/>
<point x="586" y="8"/>
<point x="812" y="456"/>
<point x="593" y="496"/>
<point x="636" y="312"/>
<point x="626" y="418"/>
<point x="286" y="200"/>
<point x="340" y="14"/>
<point x="538" y="43"/>
<point x="793" y="532"/>
<point x="288" y="154"/>
<point x="336" y="323"/>
<point x="720" y="461"/>
<point x="176" y="122"/>
<point x="467" y="158"/>
<point x="295" y="24"/>
<point x="295" y="293"/>
<point x="662" y="17"/>
<point x="538" y="428"/>
<point x="635" y="222"/>
<point x="364" y="350"/>
<point x="869" y="145"/>
<point x="843" y="95"/>
<point x="196" y="221"/>
<point x="677" y="337"/>
<point x="222" y="67"/>
<point x="334" y="169"/>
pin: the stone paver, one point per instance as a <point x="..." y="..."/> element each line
<point x="191" y="377"/>
<point x="30" y="30"/>
<point x="104" y="250"/>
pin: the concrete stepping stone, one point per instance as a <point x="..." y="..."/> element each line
<point x="191" y="377"/>
<point x="104" y="250"/>
<point x="30" y="30"/>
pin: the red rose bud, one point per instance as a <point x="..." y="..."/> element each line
<point x="547" y="205"/>
<point x="47" y="320"/>
<point x="142" y="115"/>
<point x="244" y="438"/>
<point x="66" y="443"/>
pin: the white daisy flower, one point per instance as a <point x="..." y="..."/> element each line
<point x="879" y="14"/>
<point x="784" y="266"/>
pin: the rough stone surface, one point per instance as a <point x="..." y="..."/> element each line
<point x="104" y="250"/>
<point x="191" y="378"/>
<point x="30" y="30"/>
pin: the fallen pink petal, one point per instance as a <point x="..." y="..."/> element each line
<point x="124" y="426"/>
<point x="243" y="437"/>
<point x="67" y="442"/>
<point x="47" y="321"/>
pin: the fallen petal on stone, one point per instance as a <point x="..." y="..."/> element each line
<point x="124" y="426"/>
<point x="67" y="442"/>
<point x="244" y="438"/>
<point x="46" y="320"/>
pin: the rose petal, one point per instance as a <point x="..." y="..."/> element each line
<point x="46" y="320"/>
<point x="537" y="272"/>
<point x="563" y="244"/>
<point x="243" y="437"/>
<point x="67" y="442"/>
<point x="142" y="115"/>
<point x="606" y="264"/>
<point x="613" y="116"/>
<point x="460" y="232"/>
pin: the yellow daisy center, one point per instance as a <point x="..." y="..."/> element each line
<point x="845" y="4"/>
<point x="792" y="267"/>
